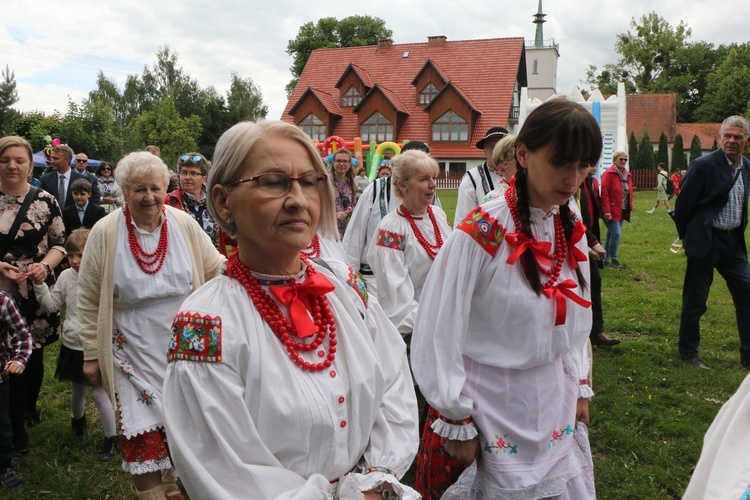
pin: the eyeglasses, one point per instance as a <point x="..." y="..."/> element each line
<point x="105" y="169"/>
<point x="186" y="173"/>
<point x="341" y="161"/>
<point x="622" y="159"/>
<point x="81" y="161"/>
<point x="194" y="158"/>
<point x="276" y="184"/>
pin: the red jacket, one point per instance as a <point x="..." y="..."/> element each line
<point x="676" y="179"/>
<point x="612" y="194"/>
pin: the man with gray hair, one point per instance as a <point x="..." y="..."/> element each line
<point x="711" y="217"/>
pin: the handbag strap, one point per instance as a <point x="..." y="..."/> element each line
<point x="13" y="232"/>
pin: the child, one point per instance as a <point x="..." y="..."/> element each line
<point x="70" y="361"/>
<point x="14" y="353"/>
<point x="500" y="341"/>
<point x="82" y="213"/>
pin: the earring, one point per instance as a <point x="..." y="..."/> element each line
<point x="229" y="220"/>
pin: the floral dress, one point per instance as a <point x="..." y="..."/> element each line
<point x="344" y="200"/>
<point x="41" y="230"/>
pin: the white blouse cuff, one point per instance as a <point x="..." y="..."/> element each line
<point x="458" y="431"/>
<point x="354" y="484"/>
<point x="584" y="389"/>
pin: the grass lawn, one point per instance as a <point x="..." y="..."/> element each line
<point x="648" y="417"/>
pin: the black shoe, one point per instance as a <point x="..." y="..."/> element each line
<point x="78" y="425"/>
<point x="617" y="265"/>
<point x="696" y="362"/>
<point x="10" y="480"/>
<point x="603" y="340"/>
<point x="109" y="449"/>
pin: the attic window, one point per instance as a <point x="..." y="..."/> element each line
<point x="376" y="128"/>
<point x="314" y="127"/>
<point x="450" y="127"/>
<point x="428" y="94"/>
<point x="351" y="98"/>
<point x="406" y="55"/>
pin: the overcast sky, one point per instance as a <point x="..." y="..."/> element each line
<point x="56" y="52"/>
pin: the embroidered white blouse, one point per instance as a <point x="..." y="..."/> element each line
<point x="401" y="264"/>
<point x="247" y="423"/>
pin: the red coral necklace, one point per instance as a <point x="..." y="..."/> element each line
<point x="150" y="263"/>
<point x="558" y="257"/>
<point x="312" y="251"/>
<point x="280" y="324"/>
<point x="431" y="249"/>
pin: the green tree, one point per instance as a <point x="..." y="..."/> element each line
<point x="244" y="100"/>
<point x="90" y="128"/>
<point x="695" y="148"/>
<point x="645" y="158"/>
<point x="662" y="154"/>
<point x="633" y="147"/>
<point x="165" y="127"/>
<point x="679" y="160"/>
<point x="727" y="92"/>
<point x="8" y="97"/>
<point x="715" y="145"/>
<point x="328" y="32"/>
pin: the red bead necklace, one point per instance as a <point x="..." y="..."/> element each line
<point x="312" y="251"/>
<point x="431" y="249"/>
<point x="558" y="257"/>
<point x="280" y="324"/>
<point x="149" y="260"/>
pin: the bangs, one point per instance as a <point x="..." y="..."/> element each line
<point x="576" y="140"/>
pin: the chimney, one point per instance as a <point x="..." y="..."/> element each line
<point x="385" y="43"/>
<point x="436" y="41"/>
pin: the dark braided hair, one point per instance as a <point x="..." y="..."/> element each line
<point x="573" y="136"/>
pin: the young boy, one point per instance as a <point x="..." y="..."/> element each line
<point x="82" y="213"/>
<point x="15" y="349"/>
<point x="70" y="360"/>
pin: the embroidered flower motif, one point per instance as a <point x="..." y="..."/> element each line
<point x="390" y="239"/>
<point x="484" y="229"/>
<point x="195" y="337"/>
<point x="146" y="397"/>
<point x="119" y="341"/>
<point x="126" y="367"/>
<point x="500" y="444"/>
<point x="354" y="281"/>
<point x="558" y="434"/>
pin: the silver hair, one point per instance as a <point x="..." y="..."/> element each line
<point x="139" y="164"/>
<point x="735" y="121"/>
<point x="406" y="165"/>
<point x="235" y="150"/>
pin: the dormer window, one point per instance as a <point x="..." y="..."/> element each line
<point x="313" y="126"/>
<point x="351" y="98"/>
<point x="428" y="94"/>
<point x="450" y="127"/>
<point x="376" y="128"/>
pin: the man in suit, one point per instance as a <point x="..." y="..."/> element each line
<point x="61" y="175"/>
<point x="82" y="163"/>
<point x="711" y="217"/>
<point x="590" y="213"/>
<point x="83" y="213"/>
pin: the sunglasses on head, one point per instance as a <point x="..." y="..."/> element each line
<point x="193" y="158"/>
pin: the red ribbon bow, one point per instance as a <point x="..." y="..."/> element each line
<point x="559" y="292"/>
<point x="521" y="242"/>
<point x="300" y="295"/>
<point x="575" y="255"/>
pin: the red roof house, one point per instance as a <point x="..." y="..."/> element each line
<point x="444" y="93"/>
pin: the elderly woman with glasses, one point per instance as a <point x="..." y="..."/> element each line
<point x="191" y="196"/>
<point x="617" y="203"/>
<point x="138" y="266"/>
<point x="110" y="190"/>
<point x="283" y="381"/>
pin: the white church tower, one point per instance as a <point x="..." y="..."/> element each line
<point x="541" y="61"/>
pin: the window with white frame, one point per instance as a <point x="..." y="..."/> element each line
<point x="428" y="94"/>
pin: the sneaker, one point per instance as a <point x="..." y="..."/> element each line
<point x="10" y="480"/>
<point x="109" y="449"/>
<point x="78" y="425"/>
<point x="696" y="362"/>
<point x="651" y="211"/>
<point x="617" y="265"/>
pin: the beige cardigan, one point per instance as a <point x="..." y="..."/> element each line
<point x="96" y="293"/>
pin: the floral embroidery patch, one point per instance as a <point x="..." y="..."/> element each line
<point x="390" y="239"/>
<point x="119" y="340"/>
<point x="500" y="444"/>
<point x="126" y="367"/>
<point x="354" y="281"/>
<point x="484" y="229"/>
<point x="146" y="397"/>
<point x="558" y="434"/>
<point x="195" y="337"/>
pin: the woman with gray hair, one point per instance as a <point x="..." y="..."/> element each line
<point x="283" y="382"/>
<point x="139" y="264"/>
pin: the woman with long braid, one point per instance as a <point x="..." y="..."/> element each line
<point x="500" y="343"/>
